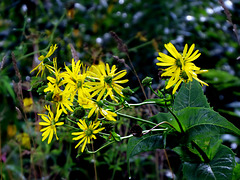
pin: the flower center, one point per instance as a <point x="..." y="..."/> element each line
<point x="178" y="63"/>
<point x="184" y="75"/>
<point x="88" y="132"/>
<point x="108" y="79"/>
<point x="57" y="98"/>
<point x="79" y="84"/>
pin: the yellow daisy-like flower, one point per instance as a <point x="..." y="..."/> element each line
<point x="43" y="59"/>
<point x="76" y="79"/>
<point x="96" y="107"/>
<point x="51" y="122"/>
<point x="58" y="81"/>
<point x="61" y="98"/>
<point x="106" y="81"/>
<point x="181" y="68"/>
<point x="88" y="133"/>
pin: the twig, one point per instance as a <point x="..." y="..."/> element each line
<point x="229" y="17"/>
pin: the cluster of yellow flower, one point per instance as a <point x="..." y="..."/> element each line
<point x="181" y="68"/>
<point x="80" y="87"/>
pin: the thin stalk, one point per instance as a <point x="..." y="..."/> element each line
<point x="50" y="41"/>
<point x="140" y="46"/>
<point x="20" y="156"/>
<point x="71" y="120"/>
<point x="105" y="145"/>
<point x="143" y="103"/>
<point x="94" y="163"/>
<point x="153" y="91"/>
<point x="121" y="138"/>
<point x="71" y="126"/>
<point x="135" y="118"/>
<point x="179" y="124"/>
<point x="203" y="154"/>
<point x="164" y="122"/>
<point x="165" y="152"/>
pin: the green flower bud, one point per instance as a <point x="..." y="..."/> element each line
<point x="79" y="112"/>
<point x="127" y="91"/>
<point x="147" y="81"/>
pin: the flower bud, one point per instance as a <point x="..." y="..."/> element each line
<point x="127" y="91"/>
<point x="79" y="112"/>
<point x="147" y="81"/>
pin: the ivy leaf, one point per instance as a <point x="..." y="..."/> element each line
<point x="190" y="95"/>
<point x="145" y="143"/>
<point x="220" y="167"/>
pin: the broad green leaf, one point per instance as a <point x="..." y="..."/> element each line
<point x="168" y="117"/>
<point x="190" y="95"/>
<point x="219" y="168"/>
<point x="204" y="121"/>
<point x="145" y="143"/>
<point x="208" y="145"/>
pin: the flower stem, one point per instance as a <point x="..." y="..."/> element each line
<point x="71" y="126"/>
<point x="143" y="103"/>
<point x="179" y="124"/>
<point x="135" y="118"/>
<point x="153" y="91"/>
<point x="71" y="120"/>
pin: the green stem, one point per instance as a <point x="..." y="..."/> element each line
<point x="71" y="126"/>
<point x="140" y="46"/>
<point x="203" y="154"/>
<point x="50" y="41"/>
<point x="135" y="118"/>
<point x="179" y="124"/>
<point x="121" y="138"/>
<point x="71" y="120"/>
<point x="110" y="103"/>
<point x="153" y="91"/>
<point x="143" y="103"/>
<point x="92" y="152"/>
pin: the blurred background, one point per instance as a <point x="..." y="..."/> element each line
<point x="27" y="27"/>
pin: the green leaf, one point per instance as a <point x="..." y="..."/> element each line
<point x="204" y="121"/>
<point x="161" y="117"/>
<point x="219" y="168"/>
<point x="236" y="172"/>
<point x="145" y="143"/>
<point x="221" y="79"/>
<point x="190" y="95"/>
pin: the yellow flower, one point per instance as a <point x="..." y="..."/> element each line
<point x="24" y="140"/>
<point x="27" y="104"/>
<point x="11" y="130"/>
<point x="55" y="83"/>
<point x="106" y="81"/>
<point x="50" y="122"/>
<point x="88" y="133"/>
<point x="41" y="66"/>
<point x="181" y="68"/>
<point x="61" y="98"/>
<point x="76" y="79"/>
<point x="96" y="107"/>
